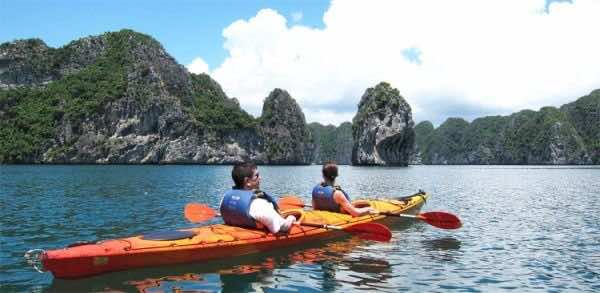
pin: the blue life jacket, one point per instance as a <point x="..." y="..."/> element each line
<point x="235" y="207"/>
<point x="322" y="196"/>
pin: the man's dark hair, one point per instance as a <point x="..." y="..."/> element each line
<point x="330" y="170"/>
<point x="242" y="171"/>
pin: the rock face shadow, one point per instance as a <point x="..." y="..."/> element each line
<point x="394" y="149"/>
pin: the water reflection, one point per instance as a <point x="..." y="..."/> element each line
<point x="191" y="282"/>
<point x="370" y="265"/>
<point x="325" y="262"/>
<point x="442" y="249"/>
<point x="446" y="243"/>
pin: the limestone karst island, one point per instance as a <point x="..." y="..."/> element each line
<point x="121" y="98"/>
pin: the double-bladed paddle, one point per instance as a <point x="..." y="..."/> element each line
<point x="442" y="220"/>
<point x="196" y="213"/>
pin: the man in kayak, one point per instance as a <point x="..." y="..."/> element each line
<point x="330" y="197"/>
<point x="245" y="205"/>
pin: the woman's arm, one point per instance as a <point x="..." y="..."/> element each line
<point x="340" y="199"/>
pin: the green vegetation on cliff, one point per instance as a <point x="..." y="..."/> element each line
<point x="481" y="139"/>
<point x="324" y="137"/>
<point x="214" y="110"/>
<point x="287" y="139"/>
<point x="423" y="132"/>
<point x="27" y="122"/>
<point x="332" y="143"/>
<point x="568" y="135"/>
<point x="584" y="114"/>
<point x="448" y="140"/>
<point x="29" y="114"/>
<point x="344" y="143"/>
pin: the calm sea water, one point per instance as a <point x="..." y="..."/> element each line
<point x="527" y="228"/>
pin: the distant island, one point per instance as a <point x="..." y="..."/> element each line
<point x="120" y="98"/>
<point x="551" y="136"/>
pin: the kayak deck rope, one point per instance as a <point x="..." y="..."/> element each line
<point x="34" y="258"/>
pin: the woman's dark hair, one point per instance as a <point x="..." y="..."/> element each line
<point x="242" y="171"/>
<point x="330" y="170"/>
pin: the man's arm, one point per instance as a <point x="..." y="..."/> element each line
<point x="264" y="212"/>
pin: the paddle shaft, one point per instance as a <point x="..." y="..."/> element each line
<point x="402" y="215"/>
<point x="324" y="226"/>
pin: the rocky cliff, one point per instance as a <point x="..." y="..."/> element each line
<point x="332" y="143"/>
<point x="382" y="129"/>
<point x="287" y="139"/>
<point x="569" y="135"/>
<point x="423" y="131"/>
<point x="584" y="115"/>
<point x="119" y="98"/>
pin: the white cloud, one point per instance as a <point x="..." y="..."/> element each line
<point x="496" y="56"/>
<point x="198" y="66"/>
<point x="329" y="117"/>
<point x="297" y="16"/>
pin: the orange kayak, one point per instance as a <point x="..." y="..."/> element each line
<point x="205" y="242"/>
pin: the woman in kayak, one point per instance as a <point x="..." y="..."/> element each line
<point x="246" y="206"/>
<point x="330" y="197"/>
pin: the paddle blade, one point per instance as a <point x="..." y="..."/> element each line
<point x="370" y="231"/>
<point x="290" y="202"/>
<point x="441" y="220"/>
<point x="195" y="212"/>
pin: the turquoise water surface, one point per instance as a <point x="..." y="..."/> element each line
<point x="525" y="228"/>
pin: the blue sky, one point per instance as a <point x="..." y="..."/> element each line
<point x="186" y="29"/>
<point x="448" y="58"/>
